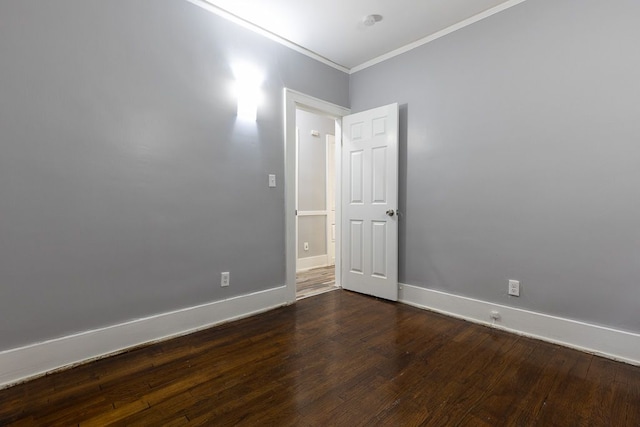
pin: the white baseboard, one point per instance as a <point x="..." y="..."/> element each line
<point x="607" y="342"/>
<point x="20" y="364"/>
<point x="308" y="263"/>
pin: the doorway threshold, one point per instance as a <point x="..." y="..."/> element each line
<point x="315" y="282"/>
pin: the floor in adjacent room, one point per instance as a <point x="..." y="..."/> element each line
<point x="337" y="359"/>
<point x="315" y="281"/>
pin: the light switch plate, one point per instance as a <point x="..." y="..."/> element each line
<point x="272" y="180"/>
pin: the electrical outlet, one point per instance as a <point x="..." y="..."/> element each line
<point x="306" y="246"/>
<point x="514" y="288"/>
<point x="224" y="279"/>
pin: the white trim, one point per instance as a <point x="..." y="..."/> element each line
<point x="268" y="34"/>
<point x="313" y="213"/>
<point x="608" y="342"/>
<point x="480" y="16"/>
<point x="292" y="101"/>
<point x="311" y="54"/>
<point x="338" y="197"/>
<point x="330" y="200"/>
<point x="318" y="292"/>
<point x="311" y="262"/>
<point x="23" y="363"/>
<point x="297" y="196"/>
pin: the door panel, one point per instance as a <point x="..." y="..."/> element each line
<point x="379" y="248"/>
<point x="370" y="199"/>
<point x="357" y="177"/>
<point x="379" y="193"/>
<point x="356" y="243"/>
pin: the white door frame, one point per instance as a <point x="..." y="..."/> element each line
<point x="296" y="100"/>
<point x="330" y="187"/>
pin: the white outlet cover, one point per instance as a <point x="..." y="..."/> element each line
<point x="224" y="279"/>
<point x="514" y="288"/>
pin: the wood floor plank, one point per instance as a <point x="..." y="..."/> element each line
<point x="339" y="359"/>
<point x="315" y="281"/>
<point x="565" y="402"/>
<point x="631" y="400"/>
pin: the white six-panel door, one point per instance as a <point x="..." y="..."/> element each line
<point x="370" y="202"/>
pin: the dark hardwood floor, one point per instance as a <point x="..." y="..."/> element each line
<point x="337" y="359"/>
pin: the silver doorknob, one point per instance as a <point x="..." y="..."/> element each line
<point x="391" y="212"/>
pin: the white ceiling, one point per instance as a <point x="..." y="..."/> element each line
<point x="334" y="29"/>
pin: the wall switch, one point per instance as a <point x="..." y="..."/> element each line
<point x="272" y="180"/>
<point x="224" y="279"/>
<point x="514" y="288"/>
<point x="306" y="246"/>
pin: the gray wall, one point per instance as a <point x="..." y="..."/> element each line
<point x="313" y="230"/>
<point x="312" y="181"/>
<point x="520" y="158"/>
<point x="126" y="185"/>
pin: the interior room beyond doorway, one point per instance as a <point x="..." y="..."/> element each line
<point x="315" y="204"/>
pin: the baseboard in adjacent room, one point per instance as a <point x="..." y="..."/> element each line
<point x="603" y="341"/>
<point x="304" y="264"/>
<point x="23" y="363"/>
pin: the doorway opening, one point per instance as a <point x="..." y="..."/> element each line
<point x="315" y="204"/>
<point x="313" y="213"/>
<point x="366" y="260"/>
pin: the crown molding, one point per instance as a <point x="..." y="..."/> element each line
<point x="268" y="34"/>
<point x="311" y="54"/>
<point x="406" y="48"/>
